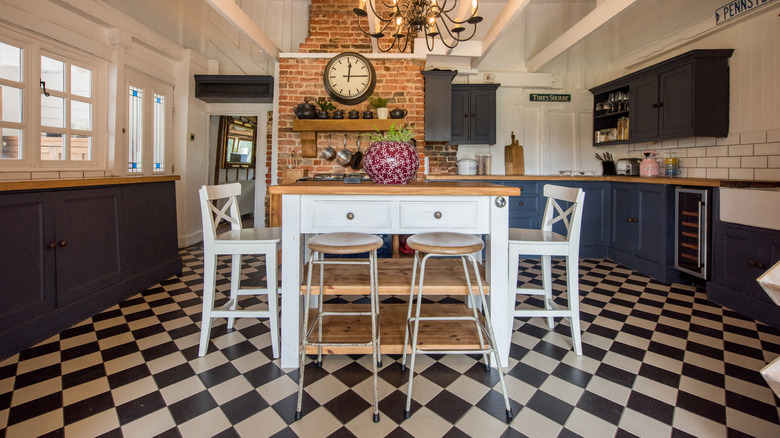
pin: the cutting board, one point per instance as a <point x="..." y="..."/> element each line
<point x="514" y="162"/>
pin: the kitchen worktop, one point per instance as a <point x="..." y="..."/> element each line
<point x="700" y="182"/>
<point x="437" y="188"/>
<point x="44" y="184"/>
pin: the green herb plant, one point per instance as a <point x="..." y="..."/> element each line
<point x="377" y="101"/>
<point x="404" y="134"/>
<point x="325" y="105"/>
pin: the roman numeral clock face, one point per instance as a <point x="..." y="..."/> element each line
<point x="349" y="78"/>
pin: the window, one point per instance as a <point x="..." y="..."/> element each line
<point x="148" y="115"/>
<point x="11" y="98"/>
<point x="66" y="111"/>
<point x="49" y="106"/>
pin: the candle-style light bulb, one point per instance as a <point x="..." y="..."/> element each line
<point x="362" y="5"/>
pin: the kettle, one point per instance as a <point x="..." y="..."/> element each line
<point x="649" y="166"/>
<point x="305" y="110"/>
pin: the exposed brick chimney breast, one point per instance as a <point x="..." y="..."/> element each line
<point x="333" y="28"/>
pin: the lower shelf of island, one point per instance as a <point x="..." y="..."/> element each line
<point x="443" y="277"/>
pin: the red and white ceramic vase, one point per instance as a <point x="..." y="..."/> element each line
<point x="391" y="162"/>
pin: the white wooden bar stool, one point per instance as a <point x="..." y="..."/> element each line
<point x="236" y="242"/>
<point x="445" y="244"/>
<point x="341" y="243"/>
<point x="546" y="243"/>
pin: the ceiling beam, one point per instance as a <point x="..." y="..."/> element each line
<point x="238" y="18"/>
<point x="508" y="15"/>
<point x="604" y="12"/>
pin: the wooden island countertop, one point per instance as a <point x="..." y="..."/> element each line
<point x="437" y="188"/>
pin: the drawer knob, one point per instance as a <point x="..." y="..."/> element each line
<point x="350" y="216"/>
<point x="64" y="243"/>
<point x="437" y="215"/>
<point x="53" y="245"/>
<point x="501" y="202"/>
<point x="520" y="203"/>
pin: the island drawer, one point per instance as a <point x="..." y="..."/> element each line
<point x="439" y="215"/>
<point x="325" y="215"/>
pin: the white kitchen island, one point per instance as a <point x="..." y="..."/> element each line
<point x="313" y="207"/>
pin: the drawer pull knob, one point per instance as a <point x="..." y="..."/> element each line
<point x="350" y="216"/>
<point x="520" y="203"/>
<point x="64" y="243"/>
<point x="53" y="245"/>
<point x="437" y="215"/>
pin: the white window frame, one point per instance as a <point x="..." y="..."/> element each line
<point x="150" y="87"/>
<point x="32" y="49"/>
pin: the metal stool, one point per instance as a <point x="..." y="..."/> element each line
<point x="341" y="243"/>
<point x="444" y="244"/>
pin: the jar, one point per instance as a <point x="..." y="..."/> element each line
<point x="467" y="166"/>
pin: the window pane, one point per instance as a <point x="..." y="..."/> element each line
<point x="52" y="145"/>
<point x="135" y="129"/>
<point x="10" y="62"/>
<point x="10" y="147"/>
<point x="11" y="99"/>
<point x="80" y="115"/>
<point x="80" y="147"/>
<point x="53" y="73"/>
<point x="80" y="81"/>
<point x="52" y="111"/>
<point x="159" y="133"/>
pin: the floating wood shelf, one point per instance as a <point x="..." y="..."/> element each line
<point x="345" y="125"/>
<point x="309" y="128"/>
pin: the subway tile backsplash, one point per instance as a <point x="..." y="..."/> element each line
<point x="746" y="156"/>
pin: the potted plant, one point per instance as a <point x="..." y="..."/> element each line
<point x="325" y="106"/>
<point x="392" y="157"/>
<point x="380" y="103"/>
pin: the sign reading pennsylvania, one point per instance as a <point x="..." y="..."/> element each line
<point x="550" y="97"/>
<point x="735" y="8"/>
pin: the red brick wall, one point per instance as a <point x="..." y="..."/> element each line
<point x="333" y="29"/>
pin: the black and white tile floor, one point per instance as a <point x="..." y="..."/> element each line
<point x="659" y="360"/>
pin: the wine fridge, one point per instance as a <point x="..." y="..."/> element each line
<point x="692" y="231"/>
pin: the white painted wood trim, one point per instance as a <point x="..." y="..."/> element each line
<point x="292" y="275"/>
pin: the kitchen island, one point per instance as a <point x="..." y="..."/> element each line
<point x="312" y="207"/>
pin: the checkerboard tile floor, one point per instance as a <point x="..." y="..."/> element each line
<point x="659" y="360"/>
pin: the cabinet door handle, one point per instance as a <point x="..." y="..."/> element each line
<point x="53" y="245"/>
<point x="473" y="115"/>
<point x="758" y="265"/>
<point x="437" y="215"/>
<point x="658" y="105"/>
<point x="64" y="243"/>
<point x="632" y="219"/>
<point x="350" y="216"/>
<point x="466" y="115"/>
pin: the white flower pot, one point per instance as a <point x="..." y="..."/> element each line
<point x="382" y="113"/>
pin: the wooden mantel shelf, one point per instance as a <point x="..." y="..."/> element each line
<point x="345" y="125"/>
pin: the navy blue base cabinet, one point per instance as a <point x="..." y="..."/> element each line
<point x="642" y="231"/>
<point x="68" y="254"/>
<point x="740" y="255"/>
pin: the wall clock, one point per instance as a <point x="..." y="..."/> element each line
<point x="349" y="78"/>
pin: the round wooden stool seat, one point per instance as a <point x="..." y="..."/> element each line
<point x="445" y="243"/>
<point x="344" y="243"/>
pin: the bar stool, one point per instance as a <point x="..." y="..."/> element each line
<point x="546" y="243"/>
<point x="446" y="244"/>
<point x="236" y="242"/>
<point x="341" y="243"/>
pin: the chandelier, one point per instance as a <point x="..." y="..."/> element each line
<point x="404" y="20"/>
